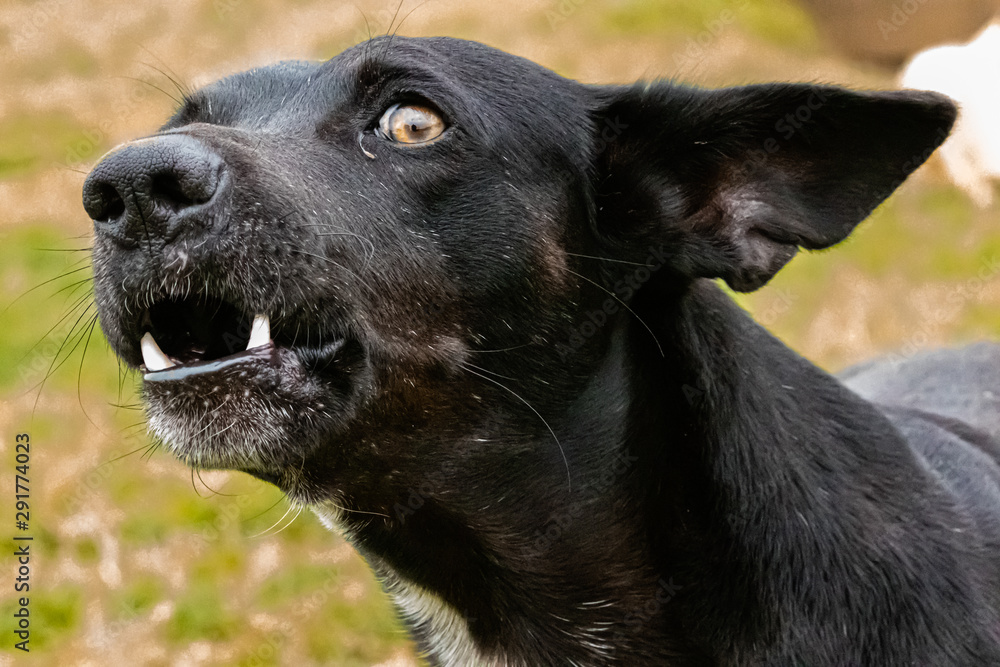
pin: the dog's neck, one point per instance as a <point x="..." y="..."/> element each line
<point x="755" y="432"/>
<point x="728" y="435"/>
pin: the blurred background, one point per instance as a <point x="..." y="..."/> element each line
<point x="136" y="562"/>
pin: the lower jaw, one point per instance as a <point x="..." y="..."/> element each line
<point x="262" y="411"/>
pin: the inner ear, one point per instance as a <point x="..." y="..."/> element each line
<point x="737" y="180"/>
<point x="750" y="231"/>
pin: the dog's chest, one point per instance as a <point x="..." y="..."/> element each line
<point x="442" y="630"/>
<point x="444" y="633"/>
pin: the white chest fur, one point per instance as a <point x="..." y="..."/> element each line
<point x="447" y="630"/>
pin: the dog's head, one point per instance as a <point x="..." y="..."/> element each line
<point x="414" y="256"/>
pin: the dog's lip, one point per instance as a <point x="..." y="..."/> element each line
<point x="191" y="369"/>
<point x="157" y="366"/>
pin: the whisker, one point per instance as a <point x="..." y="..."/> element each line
<point x="605" y="259"/>
<point x="484" y="370"/>
<point x="44" y="283"/>
<point x="406" y="16"/>
<point x="335" y="263"/>
<point x="569" y="482"/>
<point x="79" y="373"/>
<point x="351" y="511"/>
<point x="178" y="101"/>
<point x="291" y="521"/>
<point x="214" y="491"/>
<point x="73" y="287"/>
<point x="53" y="366"/>
<point x="267" y="509"/>
<point x="79" y="303"/>
<point x="194" y="486"/>
<point x="370" y="247"/>
<point x="181" y="88"/>
<point x="503" y="349"/>
<point x="126" y="406"/>
<point x="127" y="454"/>
<point x="216" y="434"/>
<point x="624" y="305"/>
<point x="389" y="31"/>
<point x="150" y="451"/>
<point x="291" y="506"/>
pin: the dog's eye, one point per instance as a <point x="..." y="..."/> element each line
<point x="410" y="124"/>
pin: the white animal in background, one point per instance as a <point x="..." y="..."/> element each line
<point x="969" y="74"/>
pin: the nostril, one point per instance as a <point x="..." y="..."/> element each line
<point x="167" y="190"/>
<point x="102" y="201"/>
<point x="110" y="202"/>
<point x="154" y="186"/>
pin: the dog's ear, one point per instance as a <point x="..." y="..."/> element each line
<point x="731" y="183"/>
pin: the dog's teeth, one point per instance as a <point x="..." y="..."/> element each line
<point x="260" y="332"/>
<point x="152" y="355"/>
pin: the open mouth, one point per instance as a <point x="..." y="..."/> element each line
<point x="194" y="336"/>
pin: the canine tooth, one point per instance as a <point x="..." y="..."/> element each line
<point x="260" y="332"/>
<point x="152" y="355"/>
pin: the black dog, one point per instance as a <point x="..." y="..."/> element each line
<point x="463" y="307"/>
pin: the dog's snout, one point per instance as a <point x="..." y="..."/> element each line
<point x="152" y="186"/>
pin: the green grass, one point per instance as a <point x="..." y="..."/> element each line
<point x="293" y="582"/>
<point x="73" y="59"/>
<point x="32" y="141"/>
<point x="200" y="613"/>
<point x="365" y="627"/>
<point x="779" y="22"/>
<point x="47" y="290"/>
<point x="54" y="614"/>
<point x="139" y="597"/>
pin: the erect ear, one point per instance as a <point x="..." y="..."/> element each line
<point x="731" y="182"/>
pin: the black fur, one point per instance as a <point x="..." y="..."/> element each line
<point x="502" y="353"/>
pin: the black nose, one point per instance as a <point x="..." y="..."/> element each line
<point x="153" y="187"/>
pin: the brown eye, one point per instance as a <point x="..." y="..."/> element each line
<point x="410" y="124"/>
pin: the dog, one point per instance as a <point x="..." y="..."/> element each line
<point x="469" y="311"/>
